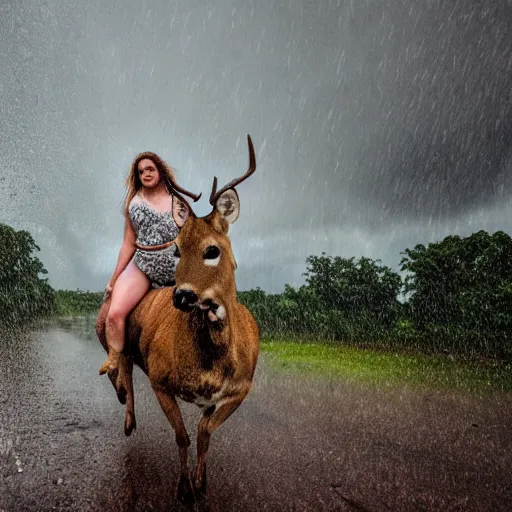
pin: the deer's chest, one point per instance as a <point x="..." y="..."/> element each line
<point x="197" y="377"/>
<point x="204" y="395"/>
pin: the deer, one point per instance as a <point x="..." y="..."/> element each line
<point x="194" y="340"/>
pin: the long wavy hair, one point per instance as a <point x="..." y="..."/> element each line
<point x="133" y="183"/>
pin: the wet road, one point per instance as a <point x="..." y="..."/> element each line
<point x="295" y="444"/>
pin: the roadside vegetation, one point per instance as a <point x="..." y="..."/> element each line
<point x="387" y="369"/>
<point x="77" y="303"/>
<point x="24" y="291"/>
<point x="456" y="298"/>
<point x="25" y="294"/>
<point x="451" y="298"/>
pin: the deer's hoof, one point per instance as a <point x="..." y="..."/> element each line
<point x="118" y="386"/>
<point x="130" y="424"/>
<point x="185" y="492"/>
<point x="200" y="486"/>
<point x="121" y="393"/>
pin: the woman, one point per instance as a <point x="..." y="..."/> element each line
<point x="154" y="213"/>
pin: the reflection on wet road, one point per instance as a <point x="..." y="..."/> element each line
<point x="295" y="444"/>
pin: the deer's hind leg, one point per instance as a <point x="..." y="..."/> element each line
<point x="212" y="419"/>
<point x="125" y="383"/>
<point x="185" y="491"/>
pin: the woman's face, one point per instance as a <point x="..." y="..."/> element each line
<point x="148" y="173"/>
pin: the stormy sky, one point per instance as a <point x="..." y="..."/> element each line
<point x="377" y="124"/>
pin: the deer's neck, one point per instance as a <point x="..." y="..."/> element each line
<point x="220" y="332"/>
<point x="208" y="332"/>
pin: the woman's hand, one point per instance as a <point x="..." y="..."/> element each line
<point x="109" y="288"/>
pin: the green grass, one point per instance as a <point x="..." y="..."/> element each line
<point x="385" y="369"/>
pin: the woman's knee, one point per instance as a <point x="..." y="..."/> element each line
<point x="116" y="317"/>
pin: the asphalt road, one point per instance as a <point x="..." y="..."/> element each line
<point x="296" y="443"/>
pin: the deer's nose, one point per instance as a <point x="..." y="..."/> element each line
<point x="184" y="299"/>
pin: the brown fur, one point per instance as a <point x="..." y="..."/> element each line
<point x="186" y="354"/>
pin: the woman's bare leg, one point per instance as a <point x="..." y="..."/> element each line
<point x="128" y="290"/>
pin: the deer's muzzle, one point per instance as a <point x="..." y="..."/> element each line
<point x="184" y="299"/>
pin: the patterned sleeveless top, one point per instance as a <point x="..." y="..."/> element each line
<point x="154" y="228"/>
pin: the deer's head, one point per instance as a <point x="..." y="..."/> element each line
<point x="205" y="274"/>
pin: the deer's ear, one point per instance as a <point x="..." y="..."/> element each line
<point x="228" y="205"/>
<point x="180" y="211"/>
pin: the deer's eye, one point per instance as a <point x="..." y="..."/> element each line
<point x="211" y="252"/>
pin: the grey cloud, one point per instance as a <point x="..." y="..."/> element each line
<point x="376" y="123"/>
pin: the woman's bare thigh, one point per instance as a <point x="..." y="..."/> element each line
<point x="128" y="290"/>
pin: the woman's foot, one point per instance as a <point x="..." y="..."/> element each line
<point x="112" y="363"/>
<point x="116" y="372"/>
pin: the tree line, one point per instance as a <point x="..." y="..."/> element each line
<point x="24" y="293"/>
<point x="455" y="297"/>
<point x="450" y="296"/>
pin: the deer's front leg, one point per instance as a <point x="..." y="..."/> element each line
<point x="184" y="492"/>
<point x="212" y="419"/>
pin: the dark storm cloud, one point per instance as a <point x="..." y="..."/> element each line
<point x="438" y="139"/>
<point x="377" y="125"/>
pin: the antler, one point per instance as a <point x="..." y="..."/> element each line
<point x="232" y="184"/>
<point x="177" y="188"/>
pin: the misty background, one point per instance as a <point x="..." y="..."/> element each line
<point x="377" y="124"/>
